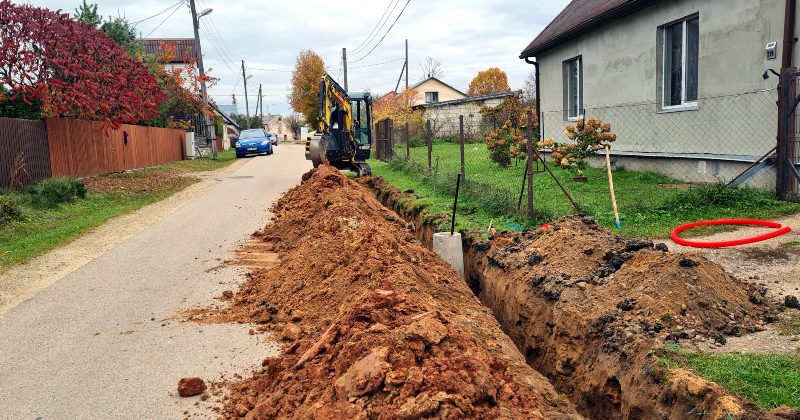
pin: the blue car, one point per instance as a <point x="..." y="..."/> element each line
<point x="253" y="141"/>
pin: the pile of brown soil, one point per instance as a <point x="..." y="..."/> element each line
<point x="380" y="327"/>
<point x="588" y="308"/>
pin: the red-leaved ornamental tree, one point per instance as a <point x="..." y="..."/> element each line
<point x="74" y="69"/>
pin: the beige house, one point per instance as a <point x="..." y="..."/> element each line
<point x="275" y="123"/>
<point x="434" y="90"/>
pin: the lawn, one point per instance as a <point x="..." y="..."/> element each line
<point x="650" y="204"/>
<point x="42" y="227"/>
<point x="769" y="380"/>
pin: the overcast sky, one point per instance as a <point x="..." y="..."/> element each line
<point x="466" y="36"/>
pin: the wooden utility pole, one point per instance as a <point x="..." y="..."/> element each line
<point x="246" y="105"/>
<point x="407" y="64"/>
<point x="344" y="64"/>
<point x="261" y="103"/>
<point x="196" y="25"/>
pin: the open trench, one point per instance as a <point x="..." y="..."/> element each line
<point x="592" y="312"/>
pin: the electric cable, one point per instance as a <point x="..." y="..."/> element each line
<point x="384" y="35"/>
<point x="378" y="64"/>
<point x="367" y="40"/>
<point x="159" y="13"/>
<point x="162" y="22"/>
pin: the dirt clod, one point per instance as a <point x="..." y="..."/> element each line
<point x="188" y="387"/>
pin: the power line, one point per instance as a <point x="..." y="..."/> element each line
<point x="378" y="64"/>
<point x="162" y="22"/>
<point x="384" y="35"/>
<point x="355" y="50"/>
<point x="256" y="68"/>
<point x="214" y="45"/>
<point x="219" y="37"/>
<point x="161" y="12"/>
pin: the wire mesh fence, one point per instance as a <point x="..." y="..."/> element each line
<point x="658" y="153"/>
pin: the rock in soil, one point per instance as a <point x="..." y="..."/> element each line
<point x="188" y="387"/>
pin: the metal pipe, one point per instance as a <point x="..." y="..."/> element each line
<point x="455" y="203"/>
<point x="752" y="165"/>
<point x="788" y="33"/>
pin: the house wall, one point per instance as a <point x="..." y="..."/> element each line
<point x="445" y="118"/>
<point x="446" y="93"/>
<point x="281" y="127"/>
<point x="622" y="84"/>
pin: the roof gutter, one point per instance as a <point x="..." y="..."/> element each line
<point x="590" y="25"/>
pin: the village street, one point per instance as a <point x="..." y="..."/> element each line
<point x="109" y="340"/>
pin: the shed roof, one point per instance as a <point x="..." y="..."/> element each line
<point x="183" y="46"/>
<point x="580" y="17"/>
<point x="467" y="99"/>
<point x="433" y="78"/>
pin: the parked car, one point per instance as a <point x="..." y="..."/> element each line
<point x="273" y="138"/>
<point x="253" y="141"/>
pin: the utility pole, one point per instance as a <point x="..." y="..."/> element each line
<point x="246" y="106"/>
<point x="344" y="61"/>
<point x="261" y="102"/>
<point x="407" y="64"/>
<point x="196" y="25"/>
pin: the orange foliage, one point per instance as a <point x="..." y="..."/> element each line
<point x="488" y="82"/>
<point x="396" y="106"/>
<point x="304" y="98"/>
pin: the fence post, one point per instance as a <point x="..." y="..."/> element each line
<point x="529" y="165"/>
<point x="461" y="131"/>
<point x="408" y="143"/>
<point x="430" y="143"/>
<point x="390" y="131"/>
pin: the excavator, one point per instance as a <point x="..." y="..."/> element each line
<point x="343" y="138"/>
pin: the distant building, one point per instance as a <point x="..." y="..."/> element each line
<point x="434" y="90"/>
<point x="274" y="123"/>
<point x="184" y="51"/>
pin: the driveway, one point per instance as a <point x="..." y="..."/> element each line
<point x="96" y="330"/>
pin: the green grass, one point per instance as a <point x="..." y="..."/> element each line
<point x="790" y="244"/>
<point x="45" y="228"/>
<point x="650" y="204"/>
<point x="769" y="380"/>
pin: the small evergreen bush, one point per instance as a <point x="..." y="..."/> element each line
<point x="10" y="210"/>
<point x="51" y="192"/>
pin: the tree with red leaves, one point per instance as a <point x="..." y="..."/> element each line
<point x="74" y="69"/>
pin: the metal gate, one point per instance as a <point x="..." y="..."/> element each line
<point x="384" y="139"/>
<point x="789" y="142"/>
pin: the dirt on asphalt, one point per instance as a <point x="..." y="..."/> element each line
<point x="377" y="326"/>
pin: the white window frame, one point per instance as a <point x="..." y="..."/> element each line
<point x="666" y="96"/>
<point x="568" y="88"/>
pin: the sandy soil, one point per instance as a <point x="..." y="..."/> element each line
<point x="23" y="281"/>
<point x="765" y="263"/>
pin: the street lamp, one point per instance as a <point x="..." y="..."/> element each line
<point x="196" y="25"/>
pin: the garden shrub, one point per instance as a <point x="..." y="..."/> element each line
<point x="51" y="192"/>
<point x="10" y="209"/>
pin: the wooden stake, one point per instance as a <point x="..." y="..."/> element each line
<point x="611" y="185"/>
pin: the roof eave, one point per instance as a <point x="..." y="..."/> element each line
<point x="588" y="26"/>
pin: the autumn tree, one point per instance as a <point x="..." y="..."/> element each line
<point x="74" y="69"/>
<point x="529" y="89"/>
<point x="304" y="96"/>
<point x="488" y="82"/>
<point x="295" y="122"/>
<point x="431" y="68"/>
<point x="396" y="106"/>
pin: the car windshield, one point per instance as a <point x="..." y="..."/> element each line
<point x="251" y="134"/>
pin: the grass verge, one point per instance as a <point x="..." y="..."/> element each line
<point x="40" y="229"/>
<point x="650" y="204"/>
<point x="769" y="380"/>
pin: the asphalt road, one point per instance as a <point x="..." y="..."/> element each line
<point x="109" y="341"/>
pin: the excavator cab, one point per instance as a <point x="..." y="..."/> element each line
<point x="343" y="138"/>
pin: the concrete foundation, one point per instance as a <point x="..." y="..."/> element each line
<point x="449" y="248"/>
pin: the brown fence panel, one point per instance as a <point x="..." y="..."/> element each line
<point x="28" y="139"/>
<point x="82" y="148"/>
<point x="384" y="146"/>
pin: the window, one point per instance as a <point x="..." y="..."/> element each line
<point x="573" y="89"/>
<point x="681" y="50"/>
<point x="431" y="96"/>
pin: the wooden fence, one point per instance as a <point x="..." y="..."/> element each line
<point x="62" y="147"/>
<point x="81" y="148"/>
<point x="25" y="142"/>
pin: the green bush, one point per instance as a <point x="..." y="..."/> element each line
<point x="17" y="108"/>
<point x="10" y="209"/>
<point x="51" y="192"/>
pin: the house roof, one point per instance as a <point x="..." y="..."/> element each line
<point x="269" y="118"/>
<point x="151" y="47"/>
<point x="467" y="99"/>
<point x="433" y="78"/>
<point x="580" y="17"/>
